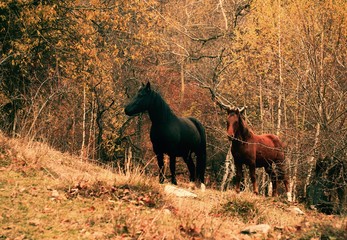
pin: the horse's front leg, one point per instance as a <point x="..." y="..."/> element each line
<point x="173" y="169"/>
<point x="160" y="158"/>
<point x="238" y="176"/>
<point x="253" y="178"/>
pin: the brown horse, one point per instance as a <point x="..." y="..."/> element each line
<point x="256" y="151"/>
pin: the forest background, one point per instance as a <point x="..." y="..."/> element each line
<point x="67" y="68"/>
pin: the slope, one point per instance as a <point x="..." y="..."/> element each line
<point x="46" y="194"/>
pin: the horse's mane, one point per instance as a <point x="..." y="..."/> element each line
<point x="245" y="131"/>
<point x="159" y="104"/>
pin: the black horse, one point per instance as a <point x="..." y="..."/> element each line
<point x="171" y="135"/>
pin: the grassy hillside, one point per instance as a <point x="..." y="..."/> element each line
<point x="46" y="194"/>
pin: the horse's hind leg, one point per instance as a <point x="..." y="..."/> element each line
<point x="160" y="158"/>
<point x="200" y="167"/>
<point x="173" y="169"/>
<point x="191" y="167"/>
<point x="253" y="178"/>
<point x="272" y="175"/>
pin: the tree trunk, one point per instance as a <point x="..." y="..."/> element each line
<point x="294" y="175"/>
<point x="91" y="127"/>
<point x="320" y="99"/>
<point x="83" y="125"/>
<point x="280" y="90"/>
<point x="229" y="171"/>
<point x="263" y="182"/>
<point x="182" y="80"/>
<point x="261" y="105"/>
<point x="311" y="160"/>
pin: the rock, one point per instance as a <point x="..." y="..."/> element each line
<point x="167" y="211"/>
<point x="98" y="235"/>
<point x="192" y="186"/>
<point x="203" y="187"/>
<point x="256" y="229"/>
<point x="34" y="222"/>
<point x="55" y="194"/>
<point x="179" y="192"/>
<point x="296" y="210"/>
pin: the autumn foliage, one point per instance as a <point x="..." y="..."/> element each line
<point x="67" y="68"/>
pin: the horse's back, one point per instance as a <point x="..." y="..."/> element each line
<point x="269" y="148"/>
<point x="269" y="140"/>
<point x="178" y="137"/>
<point x="190" y="134"/>
<point x="275" y="140"/>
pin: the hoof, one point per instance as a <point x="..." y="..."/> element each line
<point x="161" y="180"/>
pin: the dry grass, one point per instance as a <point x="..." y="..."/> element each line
<point x="46" y="194"/>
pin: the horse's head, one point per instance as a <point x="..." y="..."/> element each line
<point x="140" y="103"/>
<point x="234" y="121"/>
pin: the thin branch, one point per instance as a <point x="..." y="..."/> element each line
<point x="215" y="96"/>
<point x="5" y="59"/>
<point x="201" y="57"/>
<point x="223" y="13"/>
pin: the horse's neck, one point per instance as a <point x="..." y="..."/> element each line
<point x="244" y="132"/>
<point x="159" y="111"/>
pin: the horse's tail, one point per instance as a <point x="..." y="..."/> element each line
<point x="201" y="154"/>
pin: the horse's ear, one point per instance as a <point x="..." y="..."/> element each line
<point x="148" y="85"/>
